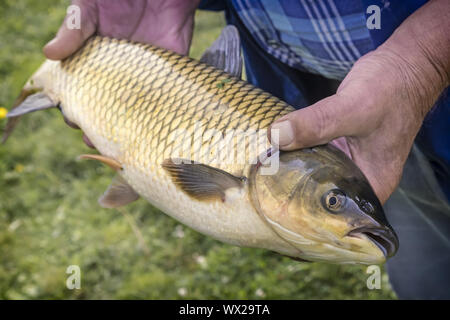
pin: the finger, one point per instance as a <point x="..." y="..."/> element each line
<point x="171" y="27"/>
<point x="70" y="123"/>
<point x="88" y="142"/>
<point x="382" y="178"/>
<point x="342" y="144"/>
<point x="328" y="119"/>
<point x="69" y="40"/>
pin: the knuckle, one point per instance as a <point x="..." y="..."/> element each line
<point x="322" y="123"/>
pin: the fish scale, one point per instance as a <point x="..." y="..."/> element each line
<point x="132" y="99"/>
<point x="142" y="107"/>
<point x="157" y="93"/>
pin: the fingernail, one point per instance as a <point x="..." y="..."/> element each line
<point x="51" y="42"/>
<point x="48" y="48"/>
<point x="285" y="132"/>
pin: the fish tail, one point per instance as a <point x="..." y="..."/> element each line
<point x="31" y="98"/>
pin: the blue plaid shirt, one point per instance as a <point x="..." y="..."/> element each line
<point x="326" y="37"/>
<point x="318" y="36"/>
<point x="323" y="37"/>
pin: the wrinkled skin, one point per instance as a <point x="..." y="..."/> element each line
<point x="381" y="104"/>
<point x="373" y="117"/>
<point x="165" y="23"/>
<point x="377" y="111"/>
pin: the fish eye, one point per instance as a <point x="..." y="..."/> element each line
<point x="334" y="200"/>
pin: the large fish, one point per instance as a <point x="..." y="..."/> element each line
<point x="150" y="112"/>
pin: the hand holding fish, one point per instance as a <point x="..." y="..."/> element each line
<point x="167" y="24"/>
<point x="132" y="99"/>
<point x="316" y="206"/>
<point x="381" y="104"/>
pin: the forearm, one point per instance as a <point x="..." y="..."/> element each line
<point x="380" y="105"/>
<point x="420" y="49"/>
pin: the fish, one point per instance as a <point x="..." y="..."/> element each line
<point x="191" y="137"/>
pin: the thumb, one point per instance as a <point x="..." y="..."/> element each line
<point x="67" y="41"/>
<point x="317" y="124"/>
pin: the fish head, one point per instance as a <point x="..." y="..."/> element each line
<point x="321" y="204"/>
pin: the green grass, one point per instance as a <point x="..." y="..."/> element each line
<point x="50" y="219"/>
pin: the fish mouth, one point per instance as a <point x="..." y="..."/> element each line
<point x="384" y="238"/>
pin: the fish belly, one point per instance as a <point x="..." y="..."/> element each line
<point x="140" y="105"/>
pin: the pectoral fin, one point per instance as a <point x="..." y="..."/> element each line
<point x="113" y="164"/>
<point x="225" y="52"/>
<point x="119" y="193"/>
<point x="200" y="181"/>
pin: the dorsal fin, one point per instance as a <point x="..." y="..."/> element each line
<point x="225" y="52"/>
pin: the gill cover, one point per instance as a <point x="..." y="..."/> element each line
<point x="322" y="205"/>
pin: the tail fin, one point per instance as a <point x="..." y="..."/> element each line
<point x="25" y="103"/>
<point x="12" y="122"/>
<point x="31" y="98"/>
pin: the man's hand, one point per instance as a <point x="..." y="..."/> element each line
<point x="379" y="107"/>
<point x="165" y="23"/>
